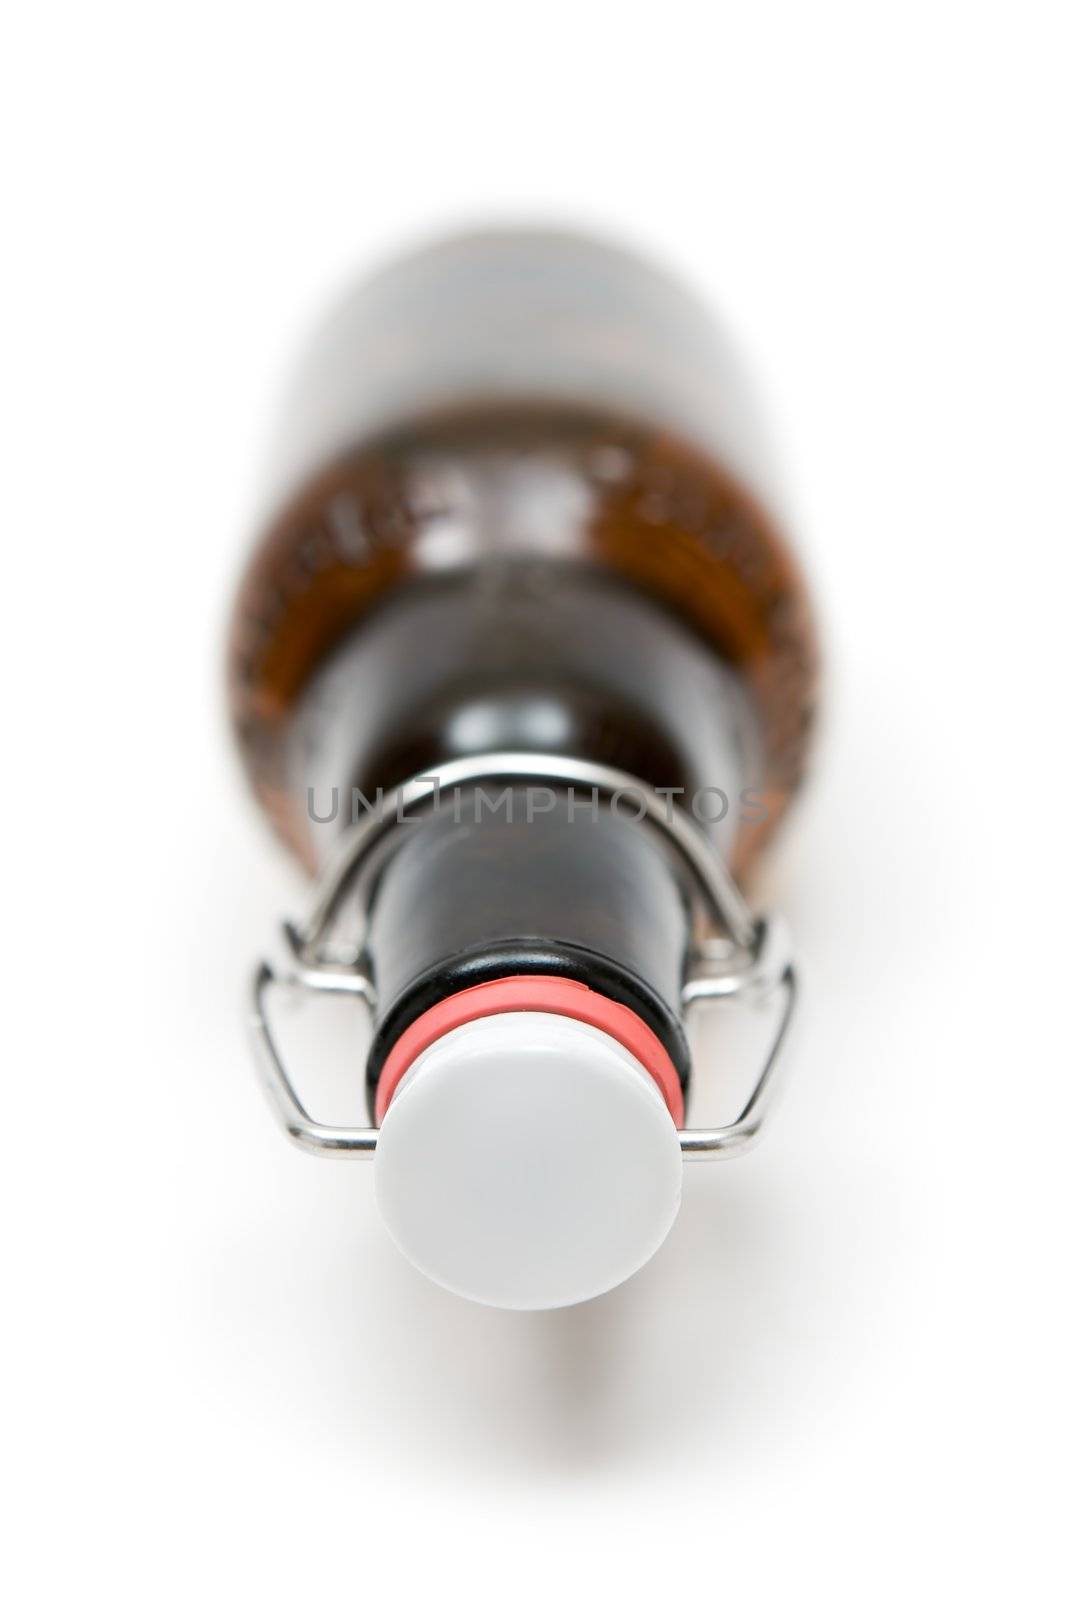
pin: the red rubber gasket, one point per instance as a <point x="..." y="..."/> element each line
<point x="564" y="997"/>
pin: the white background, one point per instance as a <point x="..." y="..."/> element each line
<point x="843" y="1373"/>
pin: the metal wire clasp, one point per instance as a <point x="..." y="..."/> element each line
<point x="751" y="965"/>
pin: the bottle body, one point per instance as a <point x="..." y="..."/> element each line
<point x="537" y="446"/>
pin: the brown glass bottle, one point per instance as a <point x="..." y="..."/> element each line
<point x="523" y="507"/>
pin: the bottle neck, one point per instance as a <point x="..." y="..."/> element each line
<point x="529" y="880"/>
<point x="520" y="881"/>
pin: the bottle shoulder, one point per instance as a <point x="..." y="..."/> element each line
<point x="522" y="498"/>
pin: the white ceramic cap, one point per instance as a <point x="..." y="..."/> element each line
<point x="528" y="1160"/>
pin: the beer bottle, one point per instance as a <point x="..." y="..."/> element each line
<point x="522" y="671"/>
